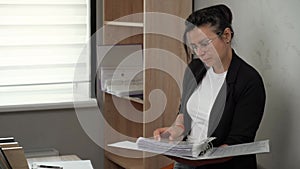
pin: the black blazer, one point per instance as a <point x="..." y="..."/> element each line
<point x="237" y="111"/>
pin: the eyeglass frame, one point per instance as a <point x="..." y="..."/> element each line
<point x="203" y="44"/>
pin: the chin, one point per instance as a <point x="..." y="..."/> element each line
<point x="208" y="64"/>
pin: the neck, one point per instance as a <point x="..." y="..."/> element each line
<point x="225" y="63"/>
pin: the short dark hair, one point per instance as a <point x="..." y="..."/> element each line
<point x="219" y="17"/>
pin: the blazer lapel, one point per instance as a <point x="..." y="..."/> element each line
<point x="217" y="110"/>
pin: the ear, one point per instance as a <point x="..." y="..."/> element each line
<point x="227" y="35"/>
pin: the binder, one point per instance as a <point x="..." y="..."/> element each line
<point x="3" y="161"/>
<point x="9" y="144"/>
<point x="6" y="139"/>
<point x="15" y="157"/>
<point x="12" y="155"/>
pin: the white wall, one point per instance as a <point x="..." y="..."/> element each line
<point x="267" y="35"/>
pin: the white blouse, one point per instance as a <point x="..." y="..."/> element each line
<point x="200" y="104"/>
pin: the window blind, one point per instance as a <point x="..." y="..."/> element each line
<point x="43" y="53"/>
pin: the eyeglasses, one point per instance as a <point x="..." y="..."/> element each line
<point x="202" y="45"/>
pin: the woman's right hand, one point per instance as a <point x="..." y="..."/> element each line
<point x="171" y="133"/>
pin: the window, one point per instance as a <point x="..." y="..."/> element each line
<point x="43" y="53"/>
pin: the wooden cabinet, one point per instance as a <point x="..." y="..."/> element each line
<point x="158" y="25"/>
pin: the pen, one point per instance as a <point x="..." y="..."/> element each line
<point x="49" y="166"/>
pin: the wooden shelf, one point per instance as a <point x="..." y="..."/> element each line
<point x="127" y="24"/>
<point x="133" y="99"/>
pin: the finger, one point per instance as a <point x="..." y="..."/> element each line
<point x="160" y="130"/>
<point x="156" y="135"/>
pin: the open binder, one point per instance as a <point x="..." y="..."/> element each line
<point x="200" y="151"/>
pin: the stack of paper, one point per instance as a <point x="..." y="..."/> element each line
<point x="182" y="148"/>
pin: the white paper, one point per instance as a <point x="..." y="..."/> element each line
<point x="126" y="145"/>
<point x="79" y="164"/>
<point x="218" y="152"/>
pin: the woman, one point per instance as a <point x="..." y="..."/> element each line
<point x="222" y="96"/>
